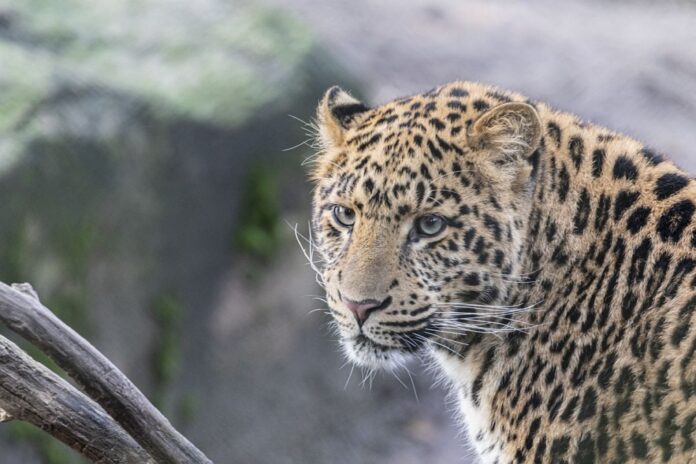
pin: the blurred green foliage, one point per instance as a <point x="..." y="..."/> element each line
<point x="186" y="410"/>
<point x="189" y="58"/>
<point x="166" y="357"/>
<point x="11" y="267"/>
<point x="51" y="450"/>
<point x="68" y="301"/>
<point x="259" y="232"/>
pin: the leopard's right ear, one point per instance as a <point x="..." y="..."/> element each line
<point x="336" y="113"/>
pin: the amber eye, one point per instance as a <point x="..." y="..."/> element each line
<point x="430" y="225"/>
<point x="344" y="216"/>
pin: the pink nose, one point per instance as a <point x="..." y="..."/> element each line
<point x="362" y="309"/>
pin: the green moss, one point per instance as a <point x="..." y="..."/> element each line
<point x="166" y="358"/>
<point x="20" y="91"/>
<point x="259" y="232"/>
<point x="186" y="410"/>
<point x="70" y="305"/>
<point x="181" y="59"/>
<point x="11" y="254"/>
<point x="74" y="244"/>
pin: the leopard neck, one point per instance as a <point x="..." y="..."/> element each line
<point x="589" y="203"/>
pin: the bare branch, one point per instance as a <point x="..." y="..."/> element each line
<point x="31" y="392"/>
<point x="22" y="312"/>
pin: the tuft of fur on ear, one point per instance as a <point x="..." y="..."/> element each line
<point x="511" y="131"/>
<point x="337" y="111"/>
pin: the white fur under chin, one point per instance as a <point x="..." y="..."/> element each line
<point x="371" y="358"/>
<point x="472" y="419"/>
<point x="456" y="373"/>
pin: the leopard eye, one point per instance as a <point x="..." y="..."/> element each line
<point x="344" y="216"/>
<point x="430" y="225"/>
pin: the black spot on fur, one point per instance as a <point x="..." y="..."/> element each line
<point x="641" y="253"/>
<point x="554" y="132"/>
<point x="569" y="411"/>
<point x="586" y="451"/>
<point x="371" y="141"/>
<point x="669" y="430"/>
<point x="589" y="405"/>
<point x="368" y="185"/>
<point x="559" y="448"/>
<point x="669" y="184"/>
<point x="437" y="124"/>
<point x="625" y="169"/>
<point x="420" y="193"/>
<point x="458" y="92"/>
<point x="345" y="113"/>
<point x="492" y="225"/>
<point x="437" y="154"/>
<point x="576" y="148"/>
<point x="472" y="279"/>
<point x="480" y="105"/>
<point x="563" y="183"/>
<point x="639" y="445"/>
<point x="598" y="157"/>
<point x="533" y="429"/>
<point x="638" y="219"/>
<point x="582" y="213"/>
<point x="673" y="222"/>
<point x="602" y="212"/>
<point x="605" y="375"/>
<point x="624" y="200"/>
<point x="651" y="156"/>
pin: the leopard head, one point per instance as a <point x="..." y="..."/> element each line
<point x="420" y="210"/>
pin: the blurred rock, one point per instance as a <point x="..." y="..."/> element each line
<point x="625" y="64"/>
<point x="127" y="130"/>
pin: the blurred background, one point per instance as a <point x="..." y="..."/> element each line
<point x="151" y="178"/>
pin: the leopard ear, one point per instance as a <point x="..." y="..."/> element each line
<point x="511" y="131"/>
<point x="337" y="111"/>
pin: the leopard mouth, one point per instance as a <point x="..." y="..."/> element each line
<point x="409" y="342"/>
<point x="363" y="340"/>
<point x="364" y="351"/>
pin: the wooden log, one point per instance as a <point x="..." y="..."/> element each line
<point x="31" y="392"/>
<point x="22" y="312"/>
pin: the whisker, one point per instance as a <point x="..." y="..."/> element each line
<point x="435" y="334"/>
<point x="352" y="368"/>
<point x="413" y="384"/>
<point x="303" y="143"/>
<point x="440" y="345"/>
<point x="399" y="380"/>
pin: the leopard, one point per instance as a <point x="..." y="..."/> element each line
<point x="545" y="265"/>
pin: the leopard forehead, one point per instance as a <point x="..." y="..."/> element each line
<point x="399" y="157"/>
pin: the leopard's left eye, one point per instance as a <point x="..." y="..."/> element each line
<point x="344" y="216"/>
<point x="430" y="225"/>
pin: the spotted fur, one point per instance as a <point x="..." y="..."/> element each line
<point x="559" y="300"/>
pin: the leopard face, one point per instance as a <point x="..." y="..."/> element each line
<point x="419" y="215"/>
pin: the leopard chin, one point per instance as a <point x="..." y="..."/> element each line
<point x="365" y="352"/>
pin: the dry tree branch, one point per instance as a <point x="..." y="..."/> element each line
<point x="30" y="392"/>
<point x="22" y="312"/>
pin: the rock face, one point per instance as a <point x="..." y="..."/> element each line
<point x="127" y="131"/>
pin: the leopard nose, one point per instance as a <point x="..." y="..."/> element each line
<point x="362" y="309"/>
